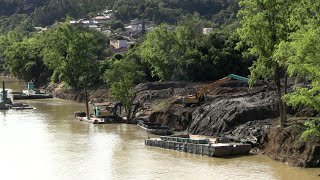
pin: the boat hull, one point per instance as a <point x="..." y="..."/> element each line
<point x="157" y="131"/>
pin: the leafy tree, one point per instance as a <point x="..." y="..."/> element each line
<point x="302" y="54"/>
<point x="23" y="59"/>
<point x="160" y="50"/>
<point x="264" y="24"/>
<point x="122" y="76"/>
<point x="71" y="52"/>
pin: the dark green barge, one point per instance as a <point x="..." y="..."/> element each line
<point x="199" y="146"/>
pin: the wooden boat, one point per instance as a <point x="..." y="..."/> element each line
<point x="157" y="129"/>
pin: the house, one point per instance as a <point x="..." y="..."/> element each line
<point x="40" y="29"/>
<point x="207" y="30"/>
<point x="117" y="44"/>
<point x="134" y="28"/>
<point x="101" y="18"/>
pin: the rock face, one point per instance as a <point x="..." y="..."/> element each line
<point x="224" y="113"/>
<point x="253" y="132"/>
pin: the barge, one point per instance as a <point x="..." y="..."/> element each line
<point x="30" y="93"/>
<point x="157" y="129"/>
<point x="104" y="113"/>
<point x="199" y="146"/>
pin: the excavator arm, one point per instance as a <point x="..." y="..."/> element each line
<point x="200" y="95"/>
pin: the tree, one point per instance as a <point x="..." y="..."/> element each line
<point x="160" y="49"/>
<point x="302" y="54"/>
<point x="23" y="59"/>
<point x="122" y="76"/>
<point x="264" y="24"/>
<point x="72" y="53"/>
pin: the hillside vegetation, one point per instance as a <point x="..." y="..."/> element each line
<point x="23" y="14"/>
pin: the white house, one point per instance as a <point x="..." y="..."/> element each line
<point x="207" y="30"/>
<point x="117" y="44"/>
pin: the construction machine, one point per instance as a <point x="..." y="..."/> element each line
<point x="200" y="96"/>
<point x="106" y="110"/>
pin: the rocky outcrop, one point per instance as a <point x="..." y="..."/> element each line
<point x="224" y="113"/>
<point x="253" y="132"/>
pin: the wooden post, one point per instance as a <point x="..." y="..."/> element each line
<point x="86" y="99"/>
<point x="3" y="91"/>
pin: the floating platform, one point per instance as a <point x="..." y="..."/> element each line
<point x="20" y="106"/>
<point x="199" y="146"/>
<point x="22" y="96"/>
<point x="95" y="120"/>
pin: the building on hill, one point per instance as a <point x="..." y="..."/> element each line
<point x="117" y="44"/>
<point x="207" y="31"/>
<point x="101" y="18"/>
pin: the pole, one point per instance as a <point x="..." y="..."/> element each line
<point x="4" y="92"/>
<point x="86" y="98"/>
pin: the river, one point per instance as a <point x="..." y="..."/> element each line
<point x="48" y="143"/>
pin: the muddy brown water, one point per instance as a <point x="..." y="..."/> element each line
<point x="48" y="143"/>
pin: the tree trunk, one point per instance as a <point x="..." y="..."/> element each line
<point x="279" y="97"/>
<point x="285" y="92"/>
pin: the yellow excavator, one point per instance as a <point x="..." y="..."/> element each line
<point x="201" y="95"/>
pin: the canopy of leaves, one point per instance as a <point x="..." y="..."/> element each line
<point x="302" y="54"/>
<point x="264" y="24"/>
<point x="123" y="75"/>
<point x="72" y="53"/>
<point x="26" y="13"/>
<point x="184" y="53"/>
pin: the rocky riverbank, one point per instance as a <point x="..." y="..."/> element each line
<point x="231" y="110"/>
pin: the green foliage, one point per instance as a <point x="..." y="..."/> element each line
<point x="312" y="130"/>
<point x="302" y="54"/>
<point x="22" y="55"/>
<point x="122" y="76"/>
<point x="26" y="13"/>
<point x="263" y="27"/>
<point x="161" y="51"/>
<point x="24" y="61"/>
<point x="72" y="54"/>
<point x="186" y="54"/>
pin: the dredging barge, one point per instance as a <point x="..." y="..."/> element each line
<point x="103" y="113"/>
<point x="31" y="93"/>
<point x="199" y="146"/>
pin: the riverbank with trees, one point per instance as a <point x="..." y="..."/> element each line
<point x="271" y="41"/>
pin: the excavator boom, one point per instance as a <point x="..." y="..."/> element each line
<point x="200" y="96"/>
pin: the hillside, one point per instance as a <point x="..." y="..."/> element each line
<point x="22" y="14"/>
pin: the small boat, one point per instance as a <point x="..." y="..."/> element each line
<point x="20" y="106"/>
<point x="154" y="128"/>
